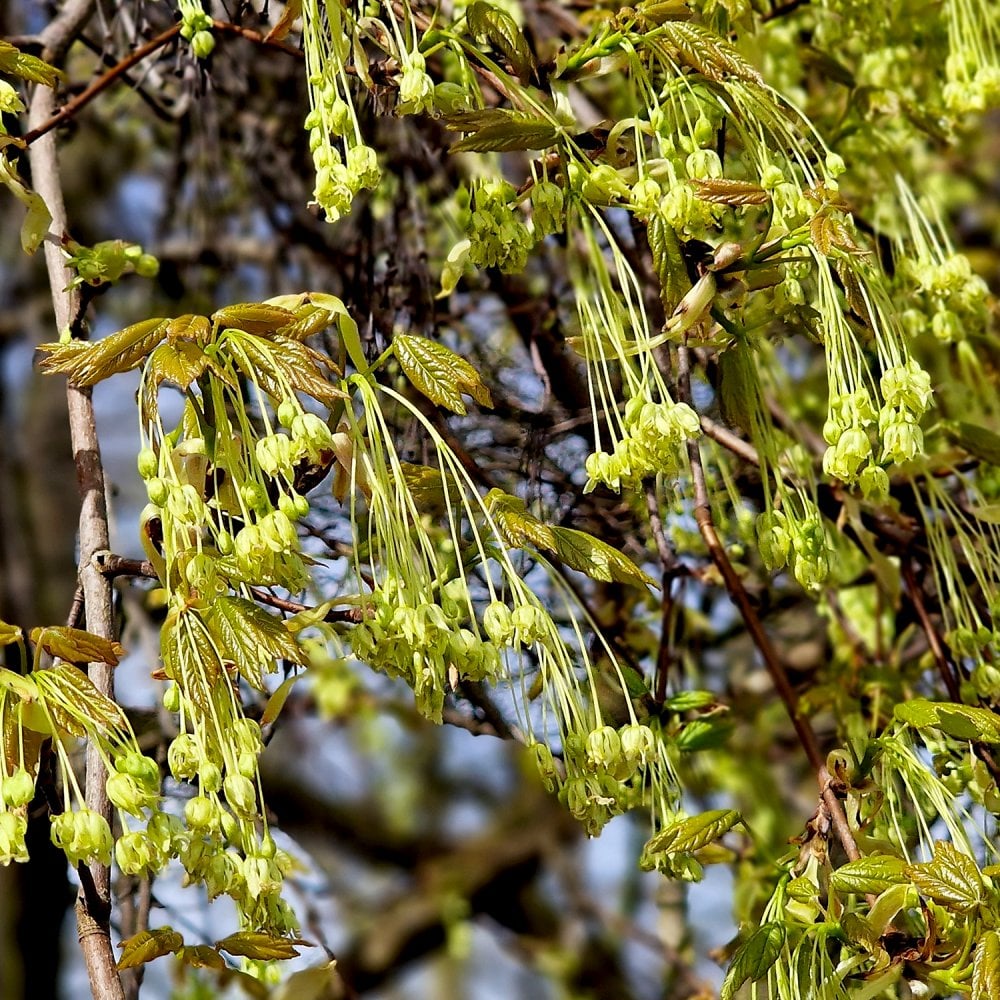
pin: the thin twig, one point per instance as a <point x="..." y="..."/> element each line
<point x="740" y="597"/>
<point x="111" y="566"/>
<point x="121" y="68"/>
<point x="71" y="107"/>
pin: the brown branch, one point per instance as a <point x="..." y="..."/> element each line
<point x="71" y="107"/>
<point x="111" y="566"/>
<point x="121" y="68"/>
<point x="740" y="597"/>
<point x="94" y="901"/>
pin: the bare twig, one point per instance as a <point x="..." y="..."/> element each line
<point x="740" y="597"/>
<point x="71" y="107"/>
<point x="93" y="904"/>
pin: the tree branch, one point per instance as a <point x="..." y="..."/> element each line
<point x="740" y="597"/>
<point x="93" y="903"/>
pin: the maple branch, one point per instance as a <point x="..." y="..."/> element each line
<point x="740" y="597"/>
<point x="121" y="68"/>
<point x="93" y="905"/>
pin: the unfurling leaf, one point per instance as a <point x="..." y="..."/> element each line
<point x="515" y="524"/>
<point x="77" y="646"/>
<point x="708" y="53"/>
<point x="597" y="559"/>
<point x="201" y="956"/>
<point x="874" y="873"/>
<point x="253" y="639"/>
<point x="253" y="317"/>
<point x="36" y="222"/>
<point x="89" y="363"/>
<point x="689" y="835"/>
<point x="179" y="364"/>
<point x="9" y="634"/>
<point x="501" y="30"/>
<point x="147" y="945"/>
<point x="723" y="191"/>
<point x="252" y="944"/>
<point x="950" y="878"/>
<point x="439" y="373"/>
<point x="986" y="968"/>
<point x="829" y="233"/>
<point x="76" y="706"/>
<point x="668" y="261"/>
<point x="753" y="958"/>
<point x="14" y="62"/>
<point x="509" y="136"/>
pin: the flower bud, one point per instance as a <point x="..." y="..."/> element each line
<point x="240" y="795"/>
<point x="18" y="789"/>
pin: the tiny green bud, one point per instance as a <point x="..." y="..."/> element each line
<point x="148" y="463"/>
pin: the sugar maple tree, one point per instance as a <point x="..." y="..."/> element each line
<point x="710" y="237"/>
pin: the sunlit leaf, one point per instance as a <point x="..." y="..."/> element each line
<point x="251" y="637"/>
<point x="201" y="956"/>
<point x="691" y="834"/>
<point x="708" y="53"/>
<point x="439" y="373"/>
<point x="253" y="317"/>
<point x="871" y="874"/>
<point x="597" y="559"/>
<point x="77" y="646"/>
<point x="724" y="191"/>
<point x="14" y="62"/>
<point x="147" y="945"/>
<point x="515" y="524"/>
<point x="986" y="968"/>
<point x="258" y="945"/>
<point x="950" y="878"/>
<point x="501" y="30"/>
<point x="87" y="363"/>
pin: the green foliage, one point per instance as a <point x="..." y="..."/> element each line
<point x="712" y="253"/>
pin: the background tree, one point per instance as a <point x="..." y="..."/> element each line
<point x="604" y="381"/>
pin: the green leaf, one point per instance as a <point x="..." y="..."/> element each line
<point x="950" y="878"/>
<point x="689" y="701"/>
<point x="201" y="956"/>
<point x="179" y="364"/>
<point x="17" y="63"/>
<point x="515" y="524"/>
<point x="874" y="873"/>
<point x="963" y="722"/>
<point x="708" y="53"/>
<point x="500" y="29"/>
<point x="277" y="700"/>
<point x="76" y="705"/>
<point x="36" y="222"/>
<point x="9" y="634"/>
<point x="253" y="317"/>
<point x="77" y="646"/>
<point x="147" y="945"/>
<point x="189" y="327"/>
<point x="689" y="835"/>
<point x="597" y="559"/>
<point x="510" y="136"/>
<point x="668" y="262"/>
<point x="258" y="945"/>
<point x="753" y="958"/>
<point x="703" y="734"/>
<point x="89" y="363"/>
<point x="986" y="968"/>
<point x="251" y="637"/>
<point x="739" y="387"/>
<point x="279" y="360"/>
<point x="321" y="982"/>
<point x="917" y="713"/>
<point x="439" y="373"/>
